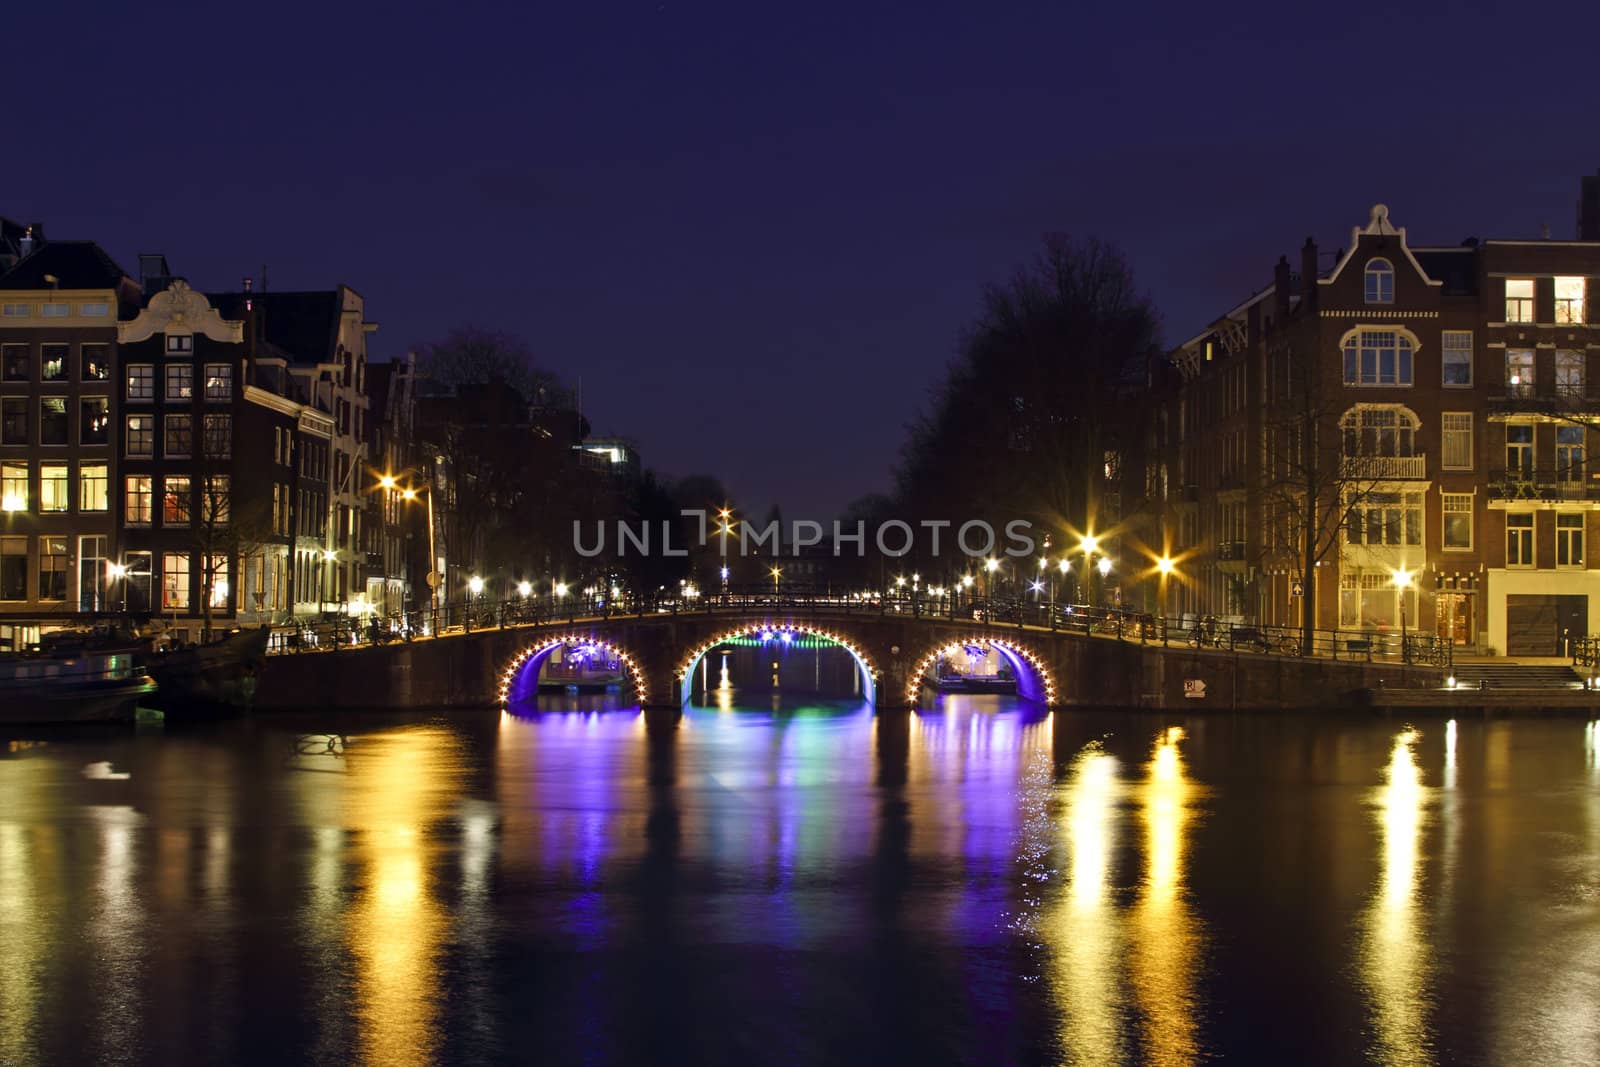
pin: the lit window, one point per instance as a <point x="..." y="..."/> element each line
<point x="1457" y="359"/>
<point x="1519" y="372"/>
<point x="94" y="488"/>
<point x="1377" y="357"/>
<point x="1458" y="521"/>
<point x="139" y="494"/>
<point x="94" y="362"/>
<point x="53" y="420"/>
<point x="1380" y="281"/>
<point x="181" y="343"/>
<point x="53" y="483"/>
<point x="53" y="362"/>
<point x="1519" y="451"/>
<point x="179" y="439"/>
<point x="141" y="381"/>
<point x="1569" y="540"/>
<point x="1519" y="540"/>
<point x="94" y="421"/>
<point x="180" y="381"/>
<point x="14" y="478"/>
<point x="175" y="500"/>
<point x="1456" y="451"/>
<point x="141" y="436"/>
<point x="219" y="381"/>
<point x="1569" y="454"/>
<point x="1569" y="300"/>
<point x="52" y="568"/>
<point x="217" y="571"/>
<point x="174" y="580"/>
<point x="1519" y="299"/>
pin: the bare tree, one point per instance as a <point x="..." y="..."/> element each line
<point x="469" y="355"/>
<point x="224" y="531"/>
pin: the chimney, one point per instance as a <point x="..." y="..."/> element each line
<point x="1280" y="290"/>
<point x="154" y="275"/>
<point x="1308" y="273"/>
<point x="26" y="244"/>
<point x="1589" y="207"/>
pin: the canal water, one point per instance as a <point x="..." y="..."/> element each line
<point x="802" y="882"/>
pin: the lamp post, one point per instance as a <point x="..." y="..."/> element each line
<point x="1164" y="569"/>
<point x="777" y="572"/>
<point x="433" y="578"/>
<point x="1402" y="581"/>
<point x="1089" y="544"/>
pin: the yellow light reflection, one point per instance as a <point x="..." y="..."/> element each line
<point x="1395" y="956"/>
<point x="1167" y="938"/>
<point x="1088" y="945"/>
<point x="20" y="946"/>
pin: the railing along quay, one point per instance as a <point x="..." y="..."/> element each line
<point x="1197" y="632"/>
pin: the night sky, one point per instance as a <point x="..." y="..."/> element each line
<point x="757" y="230"/>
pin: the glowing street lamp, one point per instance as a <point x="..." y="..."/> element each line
<point x="388" y="482"/>
<point x="1104" y="566"/>
<point x="475" y="585"/>
<point x="776" y="572"/>
<point x="1402" y="582"/>
<point x="561" y="590"/>
<point x="524" y="589"/>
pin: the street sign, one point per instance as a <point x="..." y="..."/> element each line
<point x="1297" y="588"/>
<point x="1194" y="688"/>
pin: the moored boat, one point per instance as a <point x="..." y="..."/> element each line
<point x="84" y="687"/>
<point x="208" y="680"/>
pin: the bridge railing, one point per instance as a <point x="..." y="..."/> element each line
<point x="1368" y="644"/>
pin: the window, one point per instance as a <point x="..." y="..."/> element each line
<point x="1377" y="357"/>
<point x="94" y="487"/>
<point x="1519" y="451"/>
<point x="1384" y="519"/>
<point x="14" y="478"/>
<point x="1380" y="281"/>
<point x="55" y="311"/>
<point x="136" y="582"/>
<point x="1569" y="300"/>
<point x="18" y="363"/>
<point x="182" y="343"/>
<point x="218" y="568"/>
<point x="1379" y="430"/>
<point x="94" y="363"/>
<point x="1569" y="454"/>
<point x="94" y="311"/>
<point x="52" y="568"/>
<point x="1569" y="540"/>
<point x="1519" y="540"/>
<point x="1457" y="359"/>
<point x="92" y="574"/>
<point x="53" y="483"/>
<point x="141" y="435"/>
<point x="180" y="381"/>
<point x="175" y="500"/>
<point x="1519" y="299"/>
<point x="219" y="436"/>
<point x="174" y="580"/>
<point x="53" y="420"/>
<point x="139" y="494"/>
<point x="14" y="421"/>
<point x="1458" y="521"/>
<point x="1569" y="373"/>
<point x="214" y="501"/>
<point x="141" y="381"/>
<point x="94" y="421"/>
<point x="13" y="568"/>
<point x="53" y="362"/>
<point x="219" y="381"/>
<point x="1519" y="372"/>
<point x="16" y="311"/>
<point x="179" y="439"/>
<point x="1456" y="431"/>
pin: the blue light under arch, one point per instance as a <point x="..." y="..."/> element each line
<point x="778" y="635"/>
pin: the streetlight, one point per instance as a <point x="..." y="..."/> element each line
<point x="776" y="572"/>
<point x="1402" y="581"/>
<point x="433" y="578"/>
<point x="475" y="585"/>
<point x="524" y="588"/>
<point x="1163" y="568"/>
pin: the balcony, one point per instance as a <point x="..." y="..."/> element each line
<point x="1509" y="487"/>
<point x="1521" y="400"/>
<point x="1386" y="468"/>
<point x="1230" y="551"/>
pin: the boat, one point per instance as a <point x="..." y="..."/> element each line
<point x="84" y="686"/>
<point x="208" y="680"/>
<point x="977" y="683"/>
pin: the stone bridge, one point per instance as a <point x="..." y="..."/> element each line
<point x="893" y="651"/>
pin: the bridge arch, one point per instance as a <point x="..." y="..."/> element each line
<point x="1035" y="680"/>
<point x="686" y="669"/>
<point x="515" y="676"/>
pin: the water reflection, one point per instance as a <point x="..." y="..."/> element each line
<point x="1088" y="940"/>
<point x="1167" y="938"/>
<point x="1395" y="960"/>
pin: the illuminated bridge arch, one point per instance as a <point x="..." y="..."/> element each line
<point x="869" y="674"/>
<point x="520" y="676"/>
<point x="1035" y="681"/>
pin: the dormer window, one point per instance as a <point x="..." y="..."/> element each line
<point x="1380" y="281"/>
<point x="179" y="344"/>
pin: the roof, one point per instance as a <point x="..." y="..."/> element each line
<point x="303" y="324"/>
<point x="72" y="265"/>
<point x="1456" y="267"/>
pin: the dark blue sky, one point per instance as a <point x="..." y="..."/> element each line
<point x="756" y="230"/>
